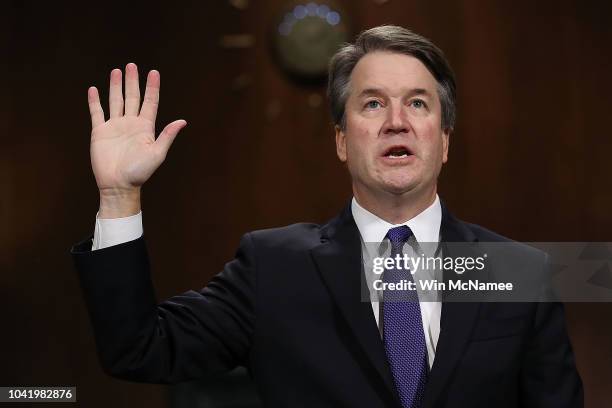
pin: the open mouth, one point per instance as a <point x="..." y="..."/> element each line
<point x="397" y="152"/>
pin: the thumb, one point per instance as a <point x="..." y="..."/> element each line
<point x="166" y="137"/>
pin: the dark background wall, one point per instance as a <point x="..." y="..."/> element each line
<point x="529" y="158"/>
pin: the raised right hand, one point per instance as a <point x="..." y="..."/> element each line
<point x="124" y="151"/>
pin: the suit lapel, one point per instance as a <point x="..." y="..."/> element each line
<point x="457" y="318"/>
<point x="339" y="256"/>
<point x="339" y="261"/>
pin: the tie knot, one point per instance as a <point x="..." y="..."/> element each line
<point x="398" y="236"/>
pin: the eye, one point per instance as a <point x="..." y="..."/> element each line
<point x="373" y="104"/>
<point x="418" y="103"/>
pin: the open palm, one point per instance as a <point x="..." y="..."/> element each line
<point x="124" y="151"/>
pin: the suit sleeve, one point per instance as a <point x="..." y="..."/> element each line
<point x="549" y="378"/>
<point x="185" y="337"/>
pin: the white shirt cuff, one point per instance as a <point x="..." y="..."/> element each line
<point x="115" y="231"/>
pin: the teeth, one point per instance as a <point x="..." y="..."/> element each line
<point x="398" y="154"/>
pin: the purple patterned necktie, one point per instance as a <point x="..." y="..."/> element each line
<point x="403" y="329"/>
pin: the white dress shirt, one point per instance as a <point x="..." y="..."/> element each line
<point x="115" y="231"/>
<point x="425" y="227"/>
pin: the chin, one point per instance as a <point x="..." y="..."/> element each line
<point x="399" y="187"/>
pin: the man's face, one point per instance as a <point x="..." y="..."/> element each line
<point x="393" y="141"/>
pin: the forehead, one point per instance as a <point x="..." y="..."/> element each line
<point x="391" y="72"/>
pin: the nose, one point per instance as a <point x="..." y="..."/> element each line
<point x="396" y="121"/>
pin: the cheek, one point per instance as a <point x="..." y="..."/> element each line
<point x="355" y="153"/>
<point x="431" y="141"/>
<point x="362" y="157"/>
<point x="363" y="127"/>
<point x="359" y="143"/>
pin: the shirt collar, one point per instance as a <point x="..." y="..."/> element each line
<point x="425" y="226"/>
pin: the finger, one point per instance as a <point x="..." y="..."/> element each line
<point x="167" y="136"/>
<point x="95" y="109"/>
<point x="132" y="90"/>
<point x="151" y="97"/>
<point x="115" y="94"/>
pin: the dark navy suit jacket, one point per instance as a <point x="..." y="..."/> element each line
<point x="288" y="307"/>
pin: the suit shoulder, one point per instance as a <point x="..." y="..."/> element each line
<point x="488" y="236"/>
<point x="297" y="236"/>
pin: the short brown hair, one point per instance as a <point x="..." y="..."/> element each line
<point x="393" y="39"/>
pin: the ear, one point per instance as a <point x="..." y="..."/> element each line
<point x="340" y="144"/>
<point x="445" y="142"/>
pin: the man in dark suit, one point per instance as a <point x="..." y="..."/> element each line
<point x="290" y="306"/>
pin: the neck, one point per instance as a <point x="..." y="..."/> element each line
<point x="395" y="208"/>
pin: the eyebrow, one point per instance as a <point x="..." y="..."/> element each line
<point x="378" y="91"/>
